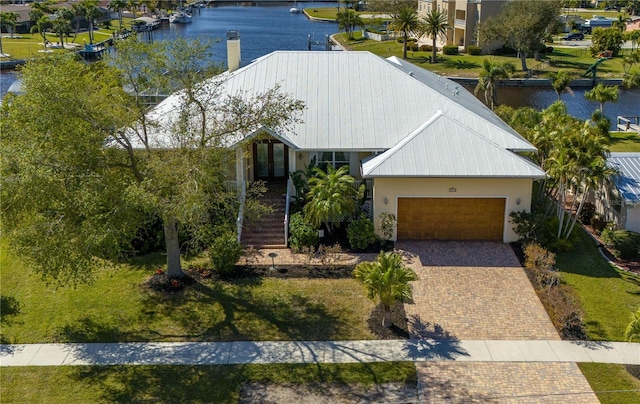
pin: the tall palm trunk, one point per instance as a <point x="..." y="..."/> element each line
<point x="174" y="268"/>
<point x="386" y="318"/>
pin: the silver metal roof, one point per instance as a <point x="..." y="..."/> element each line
<point x="357" y="101"/>
<point x="628" y="181"/>
<point x="459" y="153"/>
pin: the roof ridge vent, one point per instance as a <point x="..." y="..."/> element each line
<point x="411" y="73"/>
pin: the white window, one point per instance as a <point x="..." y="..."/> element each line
<point x="336" y="158"/>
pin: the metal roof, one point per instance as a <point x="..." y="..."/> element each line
<point x="357" y="101"/>
<point x="461" y="153"/>
<point x="628" y="180"/>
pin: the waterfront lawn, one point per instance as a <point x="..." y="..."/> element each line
<point x="612" y="383"/>
<point x="28" y="46"/>
<point x="624" y="142"/>
<point x="211" y="384"/>
<point x="116" y="307"/>
<point x="464" y="65"/>
<point x="608" y="295"/>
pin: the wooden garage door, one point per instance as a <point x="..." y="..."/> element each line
<point x="450" y="218"/>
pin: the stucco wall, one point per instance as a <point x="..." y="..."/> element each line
<point x="386" y="192"/>
<point x="633" y="218"/>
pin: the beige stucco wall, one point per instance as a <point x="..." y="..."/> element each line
<point x="633" y="218"/>
<point x="513" y="189"/>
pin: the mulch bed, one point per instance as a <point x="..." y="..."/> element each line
<point x="627" y="265"/>
<point x="398" y="330"/>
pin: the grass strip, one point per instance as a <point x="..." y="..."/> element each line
<point x="194" y="384"/>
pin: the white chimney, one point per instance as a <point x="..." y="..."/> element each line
<point x="233" y="50"/>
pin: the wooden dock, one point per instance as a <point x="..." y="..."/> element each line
<point x="628" y="123"/>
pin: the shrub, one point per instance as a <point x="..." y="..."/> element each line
<point x="474" y="50"/>
<point x="361" y="233"/>
<point x="587" y="212"/>
<point x="625" y="243"/>
<point x="540" y="262"/>
<point x="598" y="223"/>
<point x="450" y="50"/>
<point x="225" y="252"/>
<point x="565" y="313"/>
<point x="302" y="234"/>
<point x="426" y="48"/>
<point x="415" y="47"/>
<point x="549" y="49"/>
<point x="387" y="224"/>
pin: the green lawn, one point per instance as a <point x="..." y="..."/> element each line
<point x="27" y="46"/>
<point x="193" y="384"/>
<point x="463" y="65"/>
<point x="608" y="296"/>
<point x="117" y="308"/>
<point x="624" y="142"/>
<point x="611" y="383"/>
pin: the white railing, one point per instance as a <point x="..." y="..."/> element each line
<point x="240" y="219"/>
<point x="286" y="211"/>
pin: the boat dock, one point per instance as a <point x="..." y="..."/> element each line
<point x="628" y="124"/>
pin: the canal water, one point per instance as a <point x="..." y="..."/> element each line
<point x="264" y="29"/>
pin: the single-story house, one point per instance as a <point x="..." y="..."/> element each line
<point x="435" y="157"/>
<point x="621" y="204"/>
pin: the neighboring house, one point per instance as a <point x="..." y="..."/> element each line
<point x="436" y="157"/>
<point x="464" y="17"/>
<point x="633" y="24"/>
<point x="621" y="205"/>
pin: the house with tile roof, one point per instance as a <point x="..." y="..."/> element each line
<point x="433" y="155"/>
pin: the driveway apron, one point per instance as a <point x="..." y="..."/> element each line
<point x="476" y="290"/>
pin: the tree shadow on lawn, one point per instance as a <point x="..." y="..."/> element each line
<point x="460" y="64"/>
<point x="241" y="310"/>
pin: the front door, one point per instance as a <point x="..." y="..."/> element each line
<point x="270" y="160"/>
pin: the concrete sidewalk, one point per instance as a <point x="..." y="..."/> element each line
<point x="261" y="352"/>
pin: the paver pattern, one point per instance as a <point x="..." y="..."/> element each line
<point x="488" y="296"/>
<point x="517" y="383"/>
<point x="478" y="290"/>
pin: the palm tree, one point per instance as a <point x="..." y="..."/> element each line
<point x="491" y="73"/>
<point x="331" y="195"/>
<point x="633" y="329"/>
<point x="435" y="25"/>
<point x="62" y="23"/>
<point x="602" y="94"/>
<point x="9" y="19"/>
<point x="632" y="79"/>
<point x="91" y="13"/>
<point x="118" y="6"/>
<point x="78" y="12"/>
<point x="405" y="20"/>
<point x="42" y="25"/>
<point x="348" y="20"/>
<point x="560" y="81"/>
<point x="387" y="280"/>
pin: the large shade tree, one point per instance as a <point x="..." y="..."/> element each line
<point x="522" y="25"/>
<point x="80" y="179"/>
<point x="387" y="281"/>
<point x="435" y="25"/>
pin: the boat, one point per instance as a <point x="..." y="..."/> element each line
<point x="180" y="17"/>
<point x="295" y="9"/>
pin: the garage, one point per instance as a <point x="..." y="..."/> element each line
<point x="451" y="218"/>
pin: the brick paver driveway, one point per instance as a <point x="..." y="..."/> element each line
<point x="475" y="291"/>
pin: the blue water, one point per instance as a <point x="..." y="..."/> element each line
<point x="264" y="29"/>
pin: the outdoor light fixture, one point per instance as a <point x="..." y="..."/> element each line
<point x="452" y="189"/>
<point x="385" y="200"/>
<point x="518" y="201"/>
<point x="273" y="260"/>
<point x="300" y="156"/>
